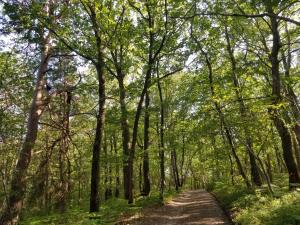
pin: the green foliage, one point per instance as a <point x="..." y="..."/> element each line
<point x="110" y="212"/>
<point x="268" y="211"/>
<point x="258" y="208"/>
<point x="228" y="195"/>
<point x="132" y="33"/>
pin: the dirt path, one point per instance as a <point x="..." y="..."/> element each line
<point x="190" y="207"/>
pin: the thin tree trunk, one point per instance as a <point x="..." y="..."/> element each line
<point x="107" y="169"/>
<point x="161" y="139"/>
<point x="110" y="192"/>
<point x="244" y="114"/>
<point x="227" y="130"/>
<point x="230" y="158"/>
<point x="99" y="64"/>
<point x="146" y="179"/>
<point x="125" y="134"/>
<point x="269" y="167"/>
<point x="152" y="56"/>
<point x="182" y="162"/>
<point x="40" y="183"/>
<point x="175" y="169"/>
<point x="95" y="174"/>
<point x="140" y="178"/>
<point x="135" y="130"/>
<point x="105" y="166"/>
<point x="64" y="167"/>
<point x="296" y="150"/>
<point x="117" y="188"/>
<point x="11" y="212"/>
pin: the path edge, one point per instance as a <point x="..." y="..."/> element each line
<point x="224" y="209"/>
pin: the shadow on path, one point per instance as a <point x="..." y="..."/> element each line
<point x="191" y="207"/>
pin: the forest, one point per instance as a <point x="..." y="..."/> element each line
<point x="111" y="107"/>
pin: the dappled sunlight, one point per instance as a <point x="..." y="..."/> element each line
<point x="191" y="207"/>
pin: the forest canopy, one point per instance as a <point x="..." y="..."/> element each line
<point x="117" y="99"/>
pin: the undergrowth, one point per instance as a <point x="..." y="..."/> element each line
<point x="257" y="207"/>
<point x="109" y="212"/>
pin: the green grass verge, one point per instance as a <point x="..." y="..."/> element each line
<point x="257" y="207"/>
<point x="109" y="213"/>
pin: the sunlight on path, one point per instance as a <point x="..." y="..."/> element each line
<point x="191" y="207"/>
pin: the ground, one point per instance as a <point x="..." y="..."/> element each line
<point x="191" y="207"/>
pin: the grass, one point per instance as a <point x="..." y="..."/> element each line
<point x="257" y="207"/>
<point x="110" y="212"/>
<point x="272" y="211"/>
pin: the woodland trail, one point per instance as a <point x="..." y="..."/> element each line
<point x="191" y="207"/>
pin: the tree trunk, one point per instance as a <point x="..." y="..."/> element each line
<point x="182" y="162"/>
<point x="140" y="178"/>
<point x="95" y="174"/>
<point x="10" y="215"/>
<point x="99" y="65"/>
<point x="233" y="150"/>
<point x="294" y="178"/>
<point x="289" y="92"/>
<point x="161" y="140"/>
<point x="117" y="188"/>
<point x="269" y="167"/>
<point x="288" y="157"/>
<point x="135" y="129"/>
<point x="110" y="192"/>
<point x="175" y="169"/>
<point x="40" y="183"/>
<point x="227" y="130"/>
<point x="64" y="167"/>
<point x="146" y="179"/>
<point x="107" y="171"/>
<point x="255" y="177"/>
<point x="296" y="150"/>
<point x="296" y="130"/>
<point x="125" y="133"/>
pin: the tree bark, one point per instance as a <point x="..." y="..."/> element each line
<point x="182" y="162"/>
<point x="107" y="170"/>
<point x="64" y="164"/>
<point x="134" y="138"/>
<point x="227" y="130"/>
<point x="161" y="139"/>
<point x="175" y="169"/>
<point x="296" y="150"/>
<point x="282" y="129"/>
<point x="99" y="65"/>
<point x="117" y="188"/>
<point x="11" y="212"/>
<point x="125" y="133"/>
<point x="95" y="173"/>
<point x="146" y="179"/>
<point x="152" y="57"/>
<point x="255" y="177"/>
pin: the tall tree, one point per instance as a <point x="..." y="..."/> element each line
<point x="13" y="208"/>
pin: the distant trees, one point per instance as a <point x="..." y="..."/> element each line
<point x="214" y="83"/>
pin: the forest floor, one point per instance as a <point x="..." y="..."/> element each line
<point x="190" y="207"/>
